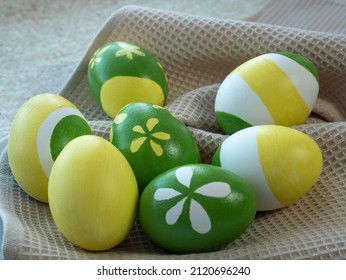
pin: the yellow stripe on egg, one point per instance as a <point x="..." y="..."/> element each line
<point x="291" y="164"/>
<point x="234" y="91"/>
<point x="276" y="90"/>
<point x="44" y="134"/>
<point x="247" y="165"/>
<point x="297" y="73"/>
<point x="122" y="90"/>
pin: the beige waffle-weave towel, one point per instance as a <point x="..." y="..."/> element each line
<point x="198" y="53"/>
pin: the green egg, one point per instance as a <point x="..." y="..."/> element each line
<point x="121" y="72"/>
<point x="153" y="140"/>
<point x="196" y="208"/>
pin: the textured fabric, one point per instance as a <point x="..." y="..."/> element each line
<point x="319" y="15"/>
<point x="42" y="41"/>
<point x="197" y="54"/>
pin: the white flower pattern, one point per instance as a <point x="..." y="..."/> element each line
<point x="198" y="216"/>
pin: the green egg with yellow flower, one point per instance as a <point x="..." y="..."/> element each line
<point x="153" y="140"/>
<point x="121" y="72"/>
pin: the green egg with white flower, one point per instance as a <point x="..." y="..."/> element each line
<point x="196" y="208"/>
<point x="153" y="140"/>
<point x="121" y="72"/>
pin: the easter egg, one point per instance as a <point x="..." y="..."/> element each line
<point x="273" y="88"/>
<point x="93" y="194"/>
<point x="196" y="208"/>
<point x="280" y="163"/>
<point x="42" y="127"/>
<point x="153" y="140"/>
<point x="120" y="73"/>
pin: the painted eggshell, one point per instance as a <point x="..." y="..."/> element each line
<point x="40" y="130"/>
<point x="152" y="140"/>
<point x="274" y="88"/>
<point x="120" y="73"/>
<point x="196" y="208"/>
<point x="280" y="163"/>
<point x="93" y="193"/>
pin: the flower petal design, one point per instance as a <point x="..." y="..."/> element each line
<point x="151" y="123"/>
<point x="102" y="50"/>
<point x="121" y="52"/>
<point x="156" y="148"/>
<point x="184" y="176"/>
<point x="214" y="189"/>
<point x="129" y="55"/>
<point x="137" y="143"/>
<point x="120" y="118"/>
<point x="139" y="129"/>
<point x="138" y="52"/>
<point x="165" y="193"/>
<point x="125" y="52"/>
<point x="96" y="58"/>
<point x="174" y="213"/>
<point x="161" y="135"/>
<point x="124" y="45"/>
<point x="128" y="50"/>
<point x="199" y="218"/>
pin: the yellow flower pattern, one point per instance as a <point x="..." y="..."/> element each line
<point x="120" y="118"/>
<point x="128" y="50"/>
<point x="147" y="134"/>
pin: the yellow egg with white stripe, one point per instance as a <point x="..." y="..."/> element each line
<point x="273" y="88"/>
<point x="280" y="163"/>
<point x="42" y="127"/>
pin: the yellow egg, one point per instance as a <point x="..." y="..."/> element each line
<point x="93" y="193"/>
<point x="40" y="130"/>
<point x="280" y="163"/>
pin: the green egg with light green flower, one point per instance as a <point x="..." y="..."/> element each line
<point x="121" y="72"/>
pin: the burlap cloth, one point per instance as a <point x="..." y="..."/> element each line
<point x="198" y="53"/>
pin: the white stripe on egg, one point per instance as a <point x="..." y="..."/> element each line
<point x="247" y="165"/>
<point x="45" y="132"/>
<point x="304" y="81"/>
<point x="234" y="91"/>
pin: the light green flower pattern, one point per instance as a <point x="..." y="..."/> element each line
<point x="199" y="218"/>
<point x="97" y="57"/>
<point x="128" y="50"/>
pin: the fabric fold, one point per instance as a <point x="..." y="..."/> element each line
<point x="197" y="53"/>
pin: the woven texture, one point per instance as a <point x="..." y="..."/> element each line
<point x="197" y="54"/>
<point x="42" y="41"/>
